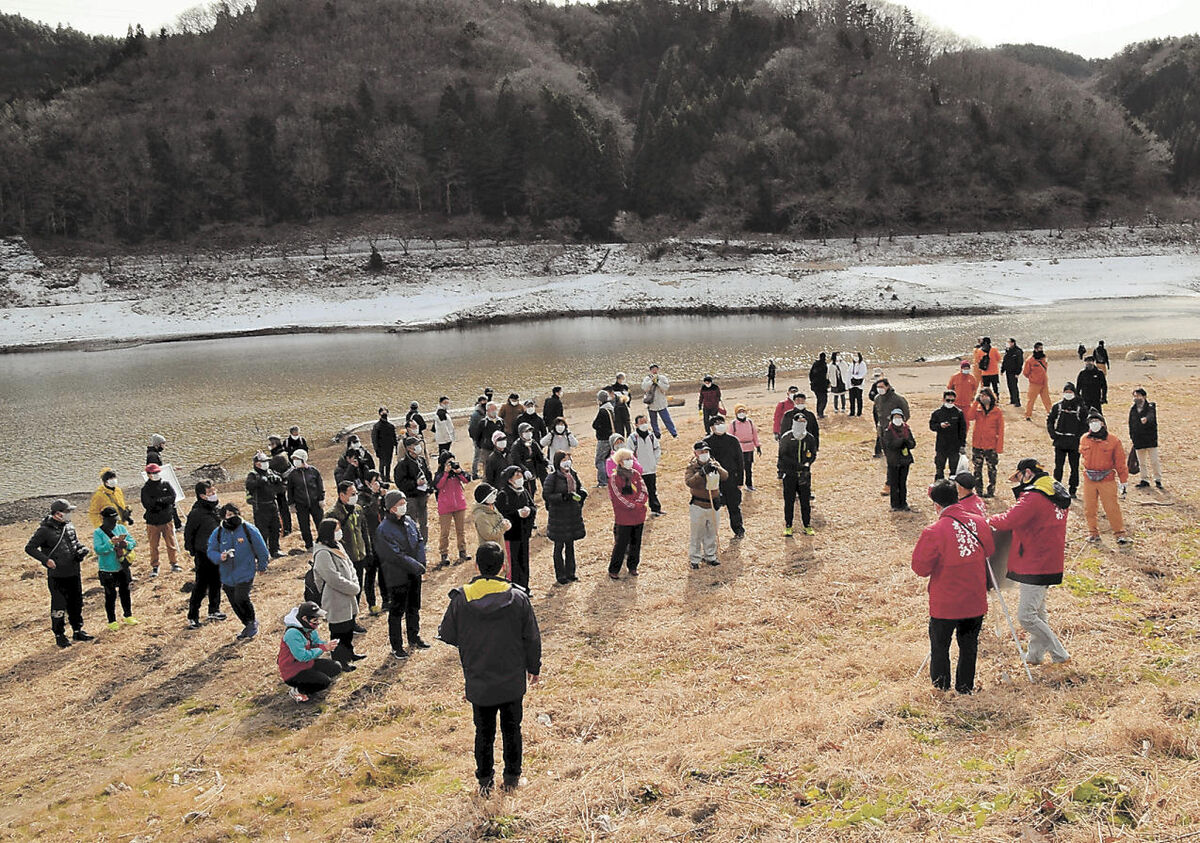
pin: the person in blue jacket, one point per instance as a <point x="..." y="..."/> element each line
<point x="239" y="550"/>
<point x="401" y="552"/>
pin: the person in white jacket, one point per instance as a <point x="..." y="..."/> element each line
<point x="839" y="380"/>
<point x="857" y="377"/>
<point x="558" y="438"/>
<point x="443" y="425"/>
<point x="654" y="388"/>
<point x="646" y="452"/>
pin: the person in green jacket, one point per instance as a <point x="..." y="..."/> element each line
<point x="114" y="553"/>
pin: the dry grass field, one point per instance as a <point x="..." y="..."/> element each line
<point x="771" y="698"/>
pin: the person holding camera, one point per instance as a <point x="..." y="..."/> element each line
<point x="56" y="545"/>
<point x="114" y="554"/>
<point x="263" y="488"/>
<point x="414" y="479"/>
<point x="450" y="484"/>
<point x="703" y="477"/>
<point x="240" y="551"/>
<point x="371" y="504"/>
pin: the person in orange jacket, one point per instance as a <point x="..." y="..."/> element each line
<point x="987" y="438"/>
<point x="964" y="385"/>
<point x="1104" y="476"/>
<point x="987" y="365"/>
<point x="1036" y="371"/>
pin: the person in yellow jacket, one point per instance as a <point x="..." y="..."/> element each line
<point x="1104" y="476"/>
<point x="109" y="494"/>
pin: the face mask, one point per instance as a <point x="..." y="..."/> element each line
<point x="383" y="416"/>
<point x="501" y="444"/>
<point x="644" y="428"/>
<point x="153" y="478"/>
<point x="898" y="422"/>
<point x="352" y="500"/>
<point x="298" y="463"/>
<point x="566" y="465"/>
<point x="400" y="511"/>
<point x="799" y="405"/>
<point x="948" y="404"/>
<point x="232" y="522"/>
<point x="1068" y="396"/>
<point x="211" y="498"/>
<point x="446" y="407"/>
<point x="965" y="370"/>
<point x="514" y="403"/>
<point x="65" y="517"/>
<point x="111" y="482"/>
<point x="1095" y="426"/>
<point x="490" y="499"/>
<point x="741" y="416"/>
<point x="703" y="457"/>
<point x="560" y="428"/>
<point x="262" y="465"/>
<point x="492" y="415"/>
<point x="519" y="484"/>
<point x="627" y="463"/>
<point x="718" y="429"/>
<point x="337" y="537"/>
<point x="527" y="436"/>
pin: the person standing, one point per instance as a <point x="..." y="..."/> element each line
<point x="727" y="451"/>
<point x="987" y="438"/>
<point x="1011" y="367"/>
<point x="800" y="408"/>
<point x="413" y="416"/>
<point x="564" y="495"/>
<point x="964" y="386"/>
<point x="450" y="484"/>
<point x="1037" y="372"/>
<point x="443" y="426"/>
<point x="383" y="443"/>
<point x="493" y="626"/>
<point x="239" y="550"/>
<point x="294" y="442"/>
<point x="558" y="438"/>
<point x="619" y="393"/>
<point x="1105" y="473"/>
<point x="552" y="407"/>
<point x="56" y="545"/>
<point x="771" y="375"/>
<point x="654" y="396"/>
<point x="402" y="559"/>
<point x="516" y="505"/>
<point x="839" y="373"/>
<point x="1066" y="423"/>
<point x="339" y="586"/>
<point x="1101" y="355"/>
<point x="114" y="548"/>
<point x="1081" y="351"/>
<point x="898" y="443"/>
<point x="987" y="365"/>
<point x="797" y="453"/>
<point x="497" y="461"/>
<point x="414" y="479"/>
<point x="527" y="453"/>
<point x="605" y="425"/>
<point x="356" y="540"/>
<point x="530" y="417"/>
<point x="306" y="491"/>
<point x="746" y="433"/>
<point x="818" y="382"/>
<point x="950" y="425"/>
<point x="703" y="477"/>
<point x="1038" y="523"/>
<point x="158" y="444"/>
<point x="158" y="499"/>
<point x="263" y="487"/>
<point x="370" y="501"/>
<point x="647" y="451"/>
<point x="108" y="493"/>
<point x="886" y="402"/>
<point x="1143" y="437"/>
<point x="202" y="520"/>
<point x="509" y="412"/>
<point x="709" y="401"/>
<point x="1093" y="385"/>
<point x="953" y="552"/>
<point x="490" y="525"/>
<point x="281" y="464"/>
<point x="781" y="409"/>
<point x="858" y="376"/>
<point x="474" y="432"/>
<point x="628" y="494"/>
<point x="300" y="664"/>
<point x="876" y="376"/>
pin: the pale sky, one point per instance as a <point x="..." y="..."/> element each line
<point x="1093" y="28"/>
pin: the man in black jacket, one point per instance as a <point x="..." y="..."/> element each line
<point x="818" y="380"/>
<point x="797" y="452"/>
<point x="263" y="488"/>
<point x="1066" y="423"/>
<point x="201" y="521"/>
<point x="1011" y="366"/>
<point x="1143" y="437"/>
<point x="1093" y="385"/>
<point x="383" y="442"/>
<point x="950" y="425"/>
<point x="493" y="626"/>
<point x="552" y="407"/>
<point x="727" y="450"/>
<point x="306" y="491"/>
<point x="530" y="417"/>
<point x="605" y="425"/>
<point x="415" y="481"/>
<point x="281" y="464"/>
<point x="158" y="444"/>
<point x="800" y="406"/>
<point x="158" y="499"/>
<point x="56" y="545"/>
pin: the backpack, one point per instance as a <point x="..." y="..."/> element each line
<point x="985" y="361"/>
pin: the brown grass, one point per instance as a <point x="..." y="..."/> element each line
<point x="771" y="698"/>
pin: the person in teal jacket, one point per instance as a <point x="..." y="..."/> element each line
<point x="114" y="552"/>
<point x="239" y="550"/>
<point x="300" y="663"/>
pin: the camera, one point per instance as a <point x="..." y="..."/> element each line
<point x="454" y="466"/>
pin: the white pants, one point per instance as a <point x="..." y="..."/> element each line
<point x="703" y="547"/>
<point x="1148" y="457"/>
<point x="1031" y="613"/>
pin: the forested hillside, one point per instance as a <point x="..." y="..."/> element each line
<point x="834" y="117"/>
<point x="36" y="59"/>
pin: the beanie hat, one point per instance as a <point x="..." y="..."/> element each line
<point x="392" y="498"/>
<point x="483" y="491"/>
<point x="1068" y="387"/>
<point x="1095" y="414"/>
<point x="157" y="439"/>
<point x="300" y="454"/>
<point x="965" y="479"/>
<point x="615" y="438"/>
<point x="498" y="435"/>
<point x="512" y="470"/>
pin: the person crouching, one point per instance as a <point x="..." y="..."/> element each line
<point x="300" y="650"/>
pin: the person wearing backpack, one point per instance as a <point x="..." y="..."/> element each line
<point x="240" y="551"/>
<point x="987" y="365"/>
<point x="1066" y="424"/>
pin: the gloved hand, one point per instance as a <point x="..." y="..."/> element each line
<point x="776" y="437"/>
<point x="1121" y="487"/>
<point x="759" y="449"/>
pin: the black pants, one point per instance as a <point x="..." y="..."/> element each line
<point x="897" y="478"/>
<point x="308" y="518"/>
<point x="316" y="678"/>
<point x="856" y="404"/>
<point x="405" y="610"/>
<point x="1014" y="388"/>
<point x="207" y="584"/>
<point x="943" y="459"/>
<point x="732" y="496"/>
<point x="940" y="633"/>
<point x="285" y="514"/>
<point x="822" y="400"/>
<point x="116" y="582"/>
<point x="485" y="739"/>
<point x="770" y="381"/>
<point x="564" y="561"/>
<point x="239" y="600"/>
<point x="266" y="519"/>
<point x="343" y="633"/>
<point x="66" y="602"/>
<point x="793" y="491"/>
<point x="627" y="547"/>
<point x="370" y="574"/>
<point x="1062" y="455"/>
<point x="518" y="561"/>
<point x="385" y="464"/>
<point x="748" y="467"/>
<point x="651" y="481"/>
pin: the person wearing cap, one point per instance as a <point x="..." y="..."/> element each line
<point x="558" y="438"/>
<point x="494" y="628"/>
<point x="552" y="407"/>
<point x="950" y="425"/>
<point x="530" y="417"/>
<point x="655" y="388"/>
<point x="443" y="426"/>
<point x="337" y="582"/>
<point x="294" y="442"/>
<point x="300" y="662"/>
<point x="1105" y="473"/>
<point x="509" y="412"/>
<point x="108" y="493"/>
<point x="491" y="424"/>
<point x="497" y="459"/>
<point x="797" y="453"/>
<point x="306" y="492"/>
<point x="402" y="558"/>
<point x="415" y="480"/>
<point x="709" y="401"/>
<point x="964" y="483"/>
<point x="351" y="468"/>
<point x="884" y="403"/>
<point x="615" y="443"/>
<point x="1066" y="424"/>
<point x="647" y="451"/>
<point x="414" y="416"/>
<point x="354" y="446"/>
<point x="1143" y="437"/>
<point x="953" y="553"/>
<point x="726" y="450"/>
<point x="1093" y="385"/>
<point x="964" y="386"/>
<point x="355" y="538"/>
<point x="202" y="520"/>
<point x="490" y="525"/>
<point x="781" y="409"/>
<point x="1038" y="523"/>
<point x="154" y="449"/>
<point x="240" y="552"/>
<point x="114" y="554"/>
<point x="770" y="375"/>
<point x="383" y="442"/>
<point x="987" y="365"/>
<point x="527" y="453"/>
<point x="858" y="376"/>
<point x="1037" y="372"/>
<point x="56" y="546"/>
<point x="605" y="425"/>
<point x="515" y="503"/>
<point x="158" y="500"/>
<point x="263" y="487"/>
<point x="1011" y="367"/>
<point x="898" y="442"/>
<point x="474" y="428"/>
<point x="745" y="432"/>
<point x="450" y="484"/>
<point x="818" y="382"/>
<point x="800" y="408"/>
<point x="627" y="492"/>
<point x="564" y="495"/>
<point x="281" y="464"/>
<point x="703" y="477"/>
<point x="987" y="438"/>
<point x="1101" y="355"/>
<point x="619" y="390"/>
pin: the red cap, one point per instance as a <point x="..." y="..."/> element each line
<point x="153" y="468"/>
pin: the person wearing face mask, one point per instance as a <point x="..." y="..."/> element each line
<point x="383" y="443"/>
<point x="987" y="365"/>
<point x="558" y="438"/>
<point x="1036" y="371"/>
<point x="202" y="520"/>
<point x="491" y="424"/>
<point x="858" y="376"/>
<point x="300" y="664"/>
<point x="627" y="491"/>
<point x="953" y="553"/>
<point x="727" y="451"/>
<point x="337" y="583"/>
<point x="294" y="442"/>
<point x="56" y="546"/>
<point x="1066" y="424"/>
<point x="530" y="417"/>
<point x="402" y="557"/>
<point x="413" y="416"/>
<point x="370" y="500"/>
<point x="516" y="504"/>
<point x="564" y="495"/>
<point x="615" y="443"/>
<point x="1011" y="367"/>
<point x="964" y="386"/>
<point x="1105" y="473"/>
<point x="619" y="393"/>
<point x="605" y="425"/>
<point x="647" y="451"/>
<point x="158" y="444"/>
<point x="497" y="460"/>
<point x="655" y="387"/>
<point x="709" y="402"/>
<point x="818" y="382"/>
<point x="364" y="461"/>
<point x="306" y="492"/>
<point x="509" y="412"/>
<point x="800" y="408"/>
<point x="490" y="525"/>
<point x="552" y="407"/>
<point x="240" y="551"/>
<point x="987" y="438"/>
<point x="158" y="499"/>
<point x="703" y="477"/>
<point x="885" y="402"/>
<point x="744" y="430"/>
<point x="1143" y="437"/>
<point x="281" y="464"/>
<point x="1093" y="385"/>
<point x="450" y="485"/>
<point x="781" y="410"/>
<point x="950" y="425"/>
<point x="839" y="376"/>
<point x="527" y="454"/>
<point x="414" y="479"/>
<point x="876" y="378"/>
<point x="474" y="430"/>
<point x="898" y="443"/>
<point x="263" y="487"/>
<point x="443" y="426"/>
<point x="1038" y="523"/>
<point x="108" y="493"/>
<point x="356" y="541"/>
<point x="797" y="453"/>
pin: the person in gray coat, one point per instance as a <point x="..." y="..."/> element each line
<point x="337" y="583"/>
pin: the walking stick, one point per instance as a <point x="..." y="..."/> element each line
<point x="717" y="528"/>
<point x="1008" y="617"/>
<point x="928" y="656"/>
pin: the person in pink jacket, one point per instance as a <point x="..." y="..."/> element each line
<point x="450" y="485"/>
<point x="629" y="497"/>
<point x="747" y="433"/>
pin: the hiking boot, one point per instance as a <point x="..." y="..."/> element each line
<point x="633" y="572"/>
<point x="613" y="576"/>
<point x="114" y="626"/>
<point x="445" y="561"/>
<point x="296" y="695"/>
<point x="1144" y="484"/>
<point x="1124" y="541"/>
<point x="276" y="554"/>
<point x="153" y="573"/>
<point x="130" y="620"/>
<point x="809" y="531"/>
<point x="417" y="644"/>
<point x="485" y="788"/>
<point x="62" y="640"/>
<point x="695" y="566"/>
<point x="80" y="635"/>
<point x="175" y="569"/>
<point x="217" y="616"/>
<point x="249" y="630"/>
<point x="787" y="532"/>
<point x="740" y="534"/>
<point x="192" y="624"/>
<point x="511" y="783"/>
<point x="400" y="654"/>
<point x="1093" y="539"/>
<point x="713" y="561"/>
<point x="359" y="629"/>
<point x="463" y="556"/>
<point x="357" y="657"/>
<point x="1158" y="485"/>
